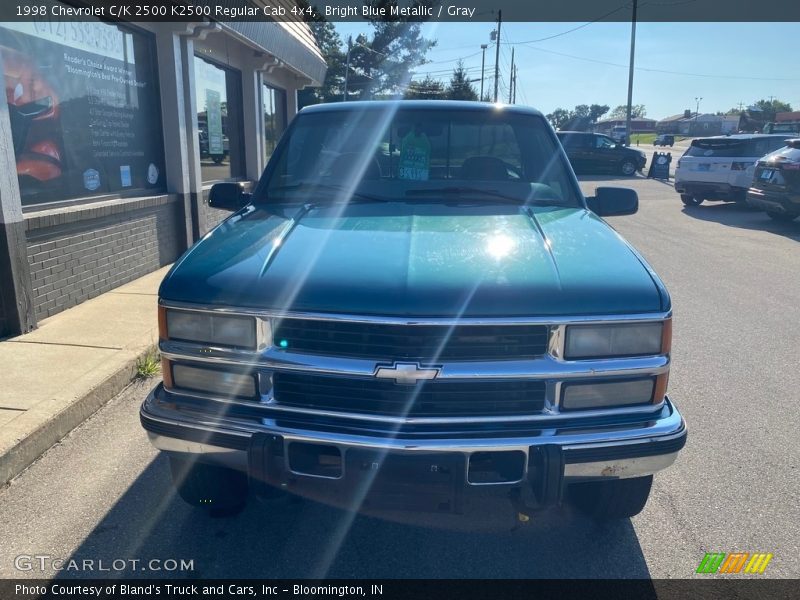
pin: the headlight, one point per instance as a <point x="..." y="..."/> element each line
<point x="582" y="396"/>
<point x="611" y="341"/>
<point x="211" y="381"/>
<point x="209" y="328"/>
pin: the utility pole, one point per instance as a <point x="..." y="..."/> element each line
<point x="511" y="78"/>
<point x="497" y="54"/>
<point x="483" y="64"/>
<point x="630" y="75"/>
<point x="347" y="67"/>
<point x="514" y="99"/>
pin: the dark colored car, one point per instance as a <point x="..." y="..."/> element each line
<point x="416" y="308"/>
<point x="594" y="152"/>
<point x="776" y="183"/>
<point x="664" y="139"/>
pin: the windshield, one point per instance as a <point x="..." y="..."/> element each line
<point x="389" y="152"/>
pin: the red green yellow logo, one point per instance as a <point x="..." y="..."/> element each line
<point x="736" y="562"/>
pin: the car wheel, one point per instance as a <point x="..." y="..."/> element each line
<point x="616" y="499"/>
<point x="221" y="491"/>
<point x="628" y="167"/>
<point x="784" y="217"/>
<point x="691" y="200"/>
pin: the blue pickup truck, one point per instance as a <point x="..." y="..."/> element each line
<point x="415" y="305"/>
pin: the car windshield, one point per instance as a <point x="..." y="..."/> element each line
<point x="393" y="153"/>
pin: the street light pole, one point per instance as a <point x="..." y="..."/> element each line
<point x="483" y="64"/>
<point x="697" y="108"/>
<point x="497" y="54"/>
<point x="630" y="76"/>
<point x="511" y="78"/>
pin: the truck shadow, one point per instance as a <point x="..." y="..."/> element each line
<point x="292" y="538"/>
<point x="743" y="217"/>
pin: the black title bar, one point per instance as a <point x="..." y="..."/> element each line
<point x="417" y="589"/>
<point x="412" y="10"/>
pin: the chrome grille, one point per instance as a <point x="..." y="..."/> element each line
<point x="425" y="399"/>
<point x="421" y="343"/>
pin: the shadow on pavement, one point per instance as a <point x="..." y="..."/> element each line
<point x="744" y="217"/>
<point x="290" y="538"/>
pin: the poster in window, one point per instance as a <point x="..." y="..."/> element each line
<point x="84" y="109"/>
<point x="214" y="116"/>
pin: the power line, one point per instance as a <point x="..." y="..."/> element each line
<point x="568" y="31"/>
<point x="604" y="62"/>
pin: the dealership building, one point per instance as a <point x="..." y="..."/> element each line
<point x="112" y="135"/>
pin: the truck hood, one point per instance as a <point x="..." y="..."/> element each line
<point x="400" y="259"/>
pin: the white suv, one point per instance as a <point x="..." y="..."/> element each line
<point x="721" y="167"/>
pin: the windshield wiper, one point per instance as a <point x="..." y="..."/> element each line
<point x="351" y="194"/>
<point x="473" y="191"/>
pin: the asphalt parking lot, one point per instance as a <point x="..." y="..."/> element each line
<point x="103" y="492"/>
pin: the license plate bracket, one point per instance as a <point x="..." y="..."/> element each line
<point x="407" y="481"/>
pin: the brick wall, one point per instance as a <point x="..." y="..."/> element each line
<point x="79" y="254"/>
<point x="208" y="217"/>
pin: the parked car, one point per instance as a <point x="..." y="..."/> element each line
<point x="592" y="152"/>
<point x="664" y="139"/>
<point x="619" y="133"/>
<point x="406" y="330"/>
<point x="716" y="168"/>
<point x="776" y="183"/>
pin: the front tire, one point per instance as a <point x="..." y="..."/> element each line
<point x="782" y="217"/>
<point x="628" y="168"/>
<point x="615" y="499"/>
<point x="689" y="200"/>
<point x="221" y="491"/>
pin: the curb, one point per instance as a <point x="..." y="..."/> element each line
<point x="21" y="455"/>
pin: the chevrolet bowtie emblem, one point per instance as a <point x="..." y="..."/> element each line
<point x="406" y="373"/>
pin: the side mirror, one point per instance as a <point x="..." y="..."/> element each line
<point x="613" y="202"/>
<point x="228" y="196"/>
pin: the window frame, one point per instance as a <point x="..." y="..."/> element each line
<point x="232" y="89"/>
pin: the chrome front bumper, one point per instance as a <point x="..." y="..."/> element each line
<point x="590" y="450"/>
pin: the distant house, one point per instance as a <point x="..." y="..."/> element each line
<point x="788" y="117"/>
<point x="672" y="124"/>
<point x="692" y="125"/>
<point x="638" y="125"/>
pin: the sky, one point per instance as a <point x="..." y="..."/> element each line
<point x="725" y="64"/>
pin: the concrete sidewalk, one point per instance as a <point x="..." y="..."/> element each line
<point x="55" y="377"/>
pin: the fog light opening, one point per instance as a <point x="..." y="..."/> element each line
<point x="315" y="460"/>
<point x="487" y="468"/>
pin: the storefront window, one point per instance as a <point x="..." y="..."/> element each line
<point x="218" y="120"/>
<point x="84" y="107"/>
<point x="274" y="117"/>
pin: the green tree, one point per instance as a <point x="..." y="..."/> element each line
<point x="559" y="117"/>
<point x="460" y="87"/>
<point x="621" y="112"/>
<point x="769" y="108"/>
<point x="330" y="45"/>
<point x="427" y="89"/>
<point x="382" y="64"/>
<point x="596" y="111"/>
<point x="580" y="111"/>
